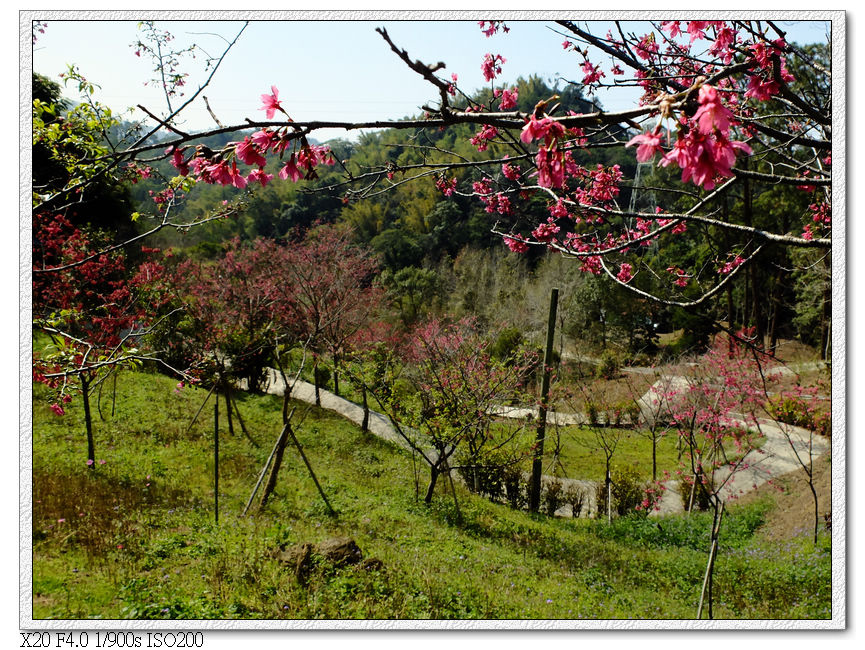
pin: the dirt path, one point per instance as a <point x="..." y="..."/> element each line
<point x="776" y="457"/>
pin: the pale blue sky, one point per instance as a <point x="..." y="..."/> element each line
<point x="323" y="70"/>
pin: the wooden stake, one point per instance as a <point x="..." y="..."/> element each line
<point x="309" y="467"/>
<point x="200" y="409"/>
<point x="280" y="440"/>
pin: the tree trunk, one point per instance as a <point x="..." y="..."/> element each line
<point x="608" y="484"/>
<point x="228" y="409"/>
<point x="364" y="425"/>
<point x="216" y="459"/>
<point x="335" y="374"/>
<point x="706" y="591"/>
<point x="816" y="510"/>
<point x="277" y="463"/>
<point x="654" y="456"/>
<point x="433" y="477"/>
<point x="535" y="488"/>
<point x="88" y="422"/>
<point x="315" y="380"/>
<point x="826" y="315"/>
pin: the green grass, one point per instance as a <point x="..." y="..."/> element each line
<point x="139" y="540"/>
<point x="580" y="455"/>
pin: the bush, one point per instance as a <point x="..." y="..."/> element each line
<point x="553" y="496"/>
<point x="794" y="409"/>
<point x="593" y="412"/>
<point x="576" y="498"/>
<point x="629" y="490"/>
<point x="507" y="344"/>
<point x="515" y="486"/>
<point x="486" y="479"/>
<point x="322" y="376"/>
<point x="609" y="367"/>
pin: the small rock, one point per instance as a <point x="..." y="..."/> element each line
<point x="340" y="551"/>
<point x="299" y="559"/>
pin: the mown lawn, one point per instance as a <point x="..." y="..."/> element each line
<point x="135" y="537"/>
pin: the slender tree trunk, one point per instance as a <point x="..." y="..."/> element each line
<point x="364" y="425"/>
<point x="706" y="591"/>
<point x="228" y="409"/>
<point x="654" y="456"/>
<point x="816" y="510"/>
<point x="277" y="463"/>
<point x="88" y="421"/>
<point x="216" y="459"/>
<point x="826" y="315"/>
<point x="609" y="484"/>
<point x="315" y="380"/>
<point x="336" y="374"/>
<point x="433" y="477"/>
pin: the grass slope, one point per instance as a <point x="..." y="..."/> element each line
<point x="135" y="536"/>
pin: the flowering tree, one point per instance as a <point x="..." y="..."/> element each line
<point x="456" y="386"/>
<point x="716" y="417"/>
<point x="731" y="105"/>
<point x="332" y="295"/>
<point x="229" y="313"/>
<point x="92" y="310"/>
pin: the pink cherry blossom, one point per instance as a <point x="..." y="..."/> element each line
<point x="270" y="103"/>
<point x="712" y="114"/>
<point x="248" y="153"/>
<point x="516" y="245"/>
<point x="511" y="172"/>
<point x="290" y="170"/>
<point x="492" y="66"/>
<point x="650" y="144"/>
<point x="259" y="176"/>
<point x="625" y="272"/>
<point x="508" y="98"/>
<point x="545" y="128"/>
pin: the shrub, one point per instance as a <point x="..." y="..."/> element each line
<point x="796" y="410"/>
<point x="609" y="367"/>
<point x="553" y="496"/>
<point x="593" y="413"/>
<point x="575" y="496"/>
<point x="322" y="376"/>
<point x="515" y="486"/>
<point x="507" y="344"/>
<point x="629" y="490"/>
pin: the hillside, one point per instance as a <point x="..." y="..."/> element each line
<point x="134" y="537"/>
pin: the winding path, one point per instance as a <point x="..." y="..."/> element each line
<point x="776" y="457"/>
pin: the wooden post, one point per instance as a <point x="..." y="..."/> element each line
<point x="537" y="463"/>
<point x="216" y="460"/>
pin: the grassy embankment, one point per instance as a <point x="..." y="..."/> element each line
<point x="135" y="537"/>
